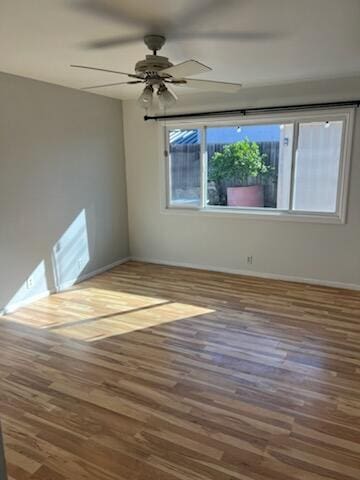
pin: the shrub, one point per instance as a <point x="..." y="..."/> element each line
<point x="238" y="162"/>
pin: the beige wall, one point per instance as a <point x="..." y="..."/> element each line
<point x="321" y="252"/>
<point x="63" y="207"/>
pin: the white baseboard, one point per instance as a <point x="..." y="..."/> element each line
<point x="69" y="283"/>
<point x="238" y="271"/>
<point x="60" y="288"/>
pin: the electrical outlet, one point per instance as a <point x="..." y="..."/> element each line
<point x="29" y="283"/>
<point x="249" y="260"/>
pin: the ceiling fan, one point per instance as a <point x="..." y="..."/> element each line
<point x="157" y="73"/>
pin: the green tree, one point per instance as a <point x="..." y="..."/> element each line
<point x="237" y="163"/>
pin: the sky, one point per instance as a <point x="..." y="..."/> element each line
<point x="256" y="133"/>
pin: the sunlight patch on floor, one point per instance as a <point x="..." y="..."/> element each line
<point x="90" y="314"/>
<point x="134" y="320"/>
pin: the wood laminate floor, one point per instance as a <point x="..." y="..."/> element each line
<point x="158" y="373"/>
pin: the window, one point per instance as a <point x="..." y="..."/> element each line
<point x="286" y="166"/>
<point x="249" y="166"/>
<point x="184" y="161"/>
<point x="317" y="165"/>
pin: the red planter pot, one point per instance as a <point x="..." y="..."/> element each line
<point x="252" y="196"/>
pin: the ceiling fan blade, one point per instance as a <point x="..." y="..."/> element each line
<point x="132" y="75"/>
<point x="119" y="41"/>
<point x="120" y="11"/>
<point x="111" y="10"/>
<point x="210" y="85"/>
<point x="241" y="36"/>
<point x="112" y="84"/>
<point x="204" y="9"/>
<point x="184" y="69"/>
<point x="115" y="41"/>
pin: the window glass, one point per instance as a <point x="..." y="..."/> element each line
<point x="317" y="166"/>
<point x="249" y="166"/>
<point x="184" y="165"/>
<point x="280" y="167"/>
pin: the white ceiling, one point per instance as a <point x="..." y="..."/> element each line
<point x="312" y="39"/>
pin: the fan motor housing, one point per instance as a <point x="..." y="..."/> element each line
<point x="152" y="63"/>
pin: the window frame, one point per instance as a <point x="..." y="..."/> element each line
<point x="306" y="116"/>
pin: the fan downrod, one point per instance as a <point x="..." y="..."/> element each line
<point x="154" y="42"/>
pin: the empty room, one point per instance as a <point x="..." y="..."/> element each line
<point x="179" y="240"/>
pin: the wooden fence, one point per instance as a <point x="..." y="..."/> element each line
<point x="185" y="169"/>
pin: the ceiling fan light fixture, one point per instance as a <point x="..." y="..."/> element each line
<point x="166" y="97"/>
<point x="146" y="98"/>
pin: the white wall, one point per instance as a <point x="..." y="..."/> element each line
<point x="322" y="252"/>
<point x="63" y="209"/>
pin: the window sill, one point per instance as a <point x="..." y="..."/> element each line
<point x="271" y="215"/>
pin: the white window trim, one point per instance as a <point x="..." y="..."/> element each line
<point x="339" y="217"/>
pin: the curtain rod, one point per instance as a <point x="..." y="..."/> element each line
<point x="249" y="111"/>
